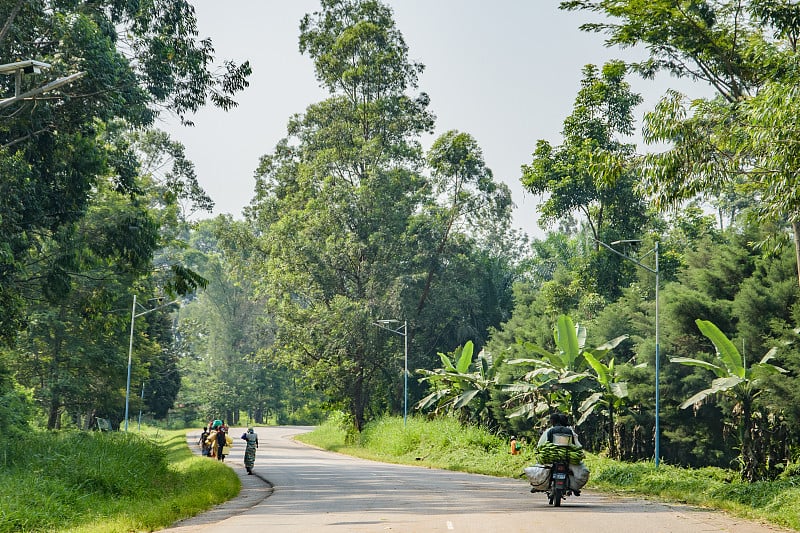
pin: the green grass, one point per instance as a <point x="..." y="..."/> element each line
<point x="444" y="443"/>
<point x="106" y="482"/>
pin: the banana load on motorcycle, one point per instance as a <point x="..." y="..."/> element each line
<point x="560" y="471"/>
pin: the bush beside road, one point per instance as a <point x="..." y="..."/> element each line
<point x="107" y="482"/>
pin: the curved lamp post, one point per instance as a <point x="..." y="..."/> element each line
<point x="134" y="314"/>
<point x="31" y="66"/>
<point x="400" y="330"/>
<point x="656" y="272"/>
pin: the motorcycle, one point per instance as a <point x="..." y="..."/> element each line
<point x="558" y="488"/>
<point x="564" y="476"/>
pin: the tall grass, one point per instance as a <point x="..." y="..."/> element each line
<point x="87" y="482"/>
<point x="444" y="443"/>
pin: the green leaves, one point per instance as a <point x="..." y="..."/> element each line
<point x="458" y="391"/>
<point x="591" y="176"/>
<point x="732" y="374"/>
<point x="570" y="340"/>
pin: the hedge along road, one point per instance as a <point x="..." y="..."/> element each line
<point x="297" y="488"/>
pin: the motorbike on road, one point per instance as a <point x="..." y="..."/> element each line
<point x="564" y="475"/>
<point x="558" y="488"/>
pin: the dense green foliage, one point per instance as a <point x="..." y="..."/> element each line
<point x="93" y="199"/>
<point x="225" y="336"/>
<point x="349" y="230"/>
<point x="82" y="481"/>
<point x="592" y="173"/>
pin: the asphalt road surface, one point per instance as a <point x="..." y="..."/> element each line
<point x="297" y="488"/>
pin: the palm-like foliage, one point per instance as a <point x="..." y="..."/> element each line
<point x="737" y="381"/>
<point x="572" y="378"/>
<point x="459" y="390"/>
<point x="557" y="378"/>
<point x="611" y="396"/>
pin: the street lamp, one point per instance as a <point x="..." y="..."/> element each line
<point x="656" y="272"/>
<point x="400" y="330"/>
<point x="134" y="315"/>
<point x="31" y="66"/>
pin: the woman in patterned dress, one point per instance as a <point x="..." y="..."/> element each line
<point x="250" y="451"/>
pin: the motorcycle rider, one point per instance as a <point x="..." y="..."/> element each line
<point x="559" y="425"/>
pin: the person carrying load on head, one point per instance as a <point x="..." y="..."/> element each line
<point x="250" y="451"/>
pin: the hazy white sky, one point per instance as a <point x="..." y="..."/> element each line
<point x="505" y="71"/>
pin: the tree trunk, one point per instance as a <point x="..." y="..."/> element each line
<point x="53" y="415"/>
<point x="89" y="419"/>
<point x="612" y="437"/>
<point x="749" y="458"/>
<point x="357" y="405"/>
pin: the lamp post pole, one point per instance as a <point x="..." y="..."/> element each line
<point x="134" y="315"/>
<point x="130" y="357"/>
<point x="139" y="427"/>
<point x="655" y="271"/>
<point x="658" y="365"/>
<point x="402" y="330"/>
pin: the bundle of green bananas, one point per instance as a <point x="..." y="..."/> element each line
<point x="548" y="452"/>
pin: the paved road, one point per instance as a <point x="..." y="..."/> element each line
<point x="301" y="489"/>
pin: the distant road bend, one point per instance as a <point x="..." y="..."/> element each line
<point x="301" y="489"/>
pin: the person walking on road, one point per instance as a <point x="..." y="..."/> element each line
<point x="224" y="441"/>
<point x="250" y="451"/>
<point x="204" y="447"/>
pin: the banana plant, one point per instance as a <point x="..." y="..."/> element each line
<point x="735" y="380"/>
<point x="612" y="395"/>
<point x="557" y="379"/>
<point x="459" y="390"/>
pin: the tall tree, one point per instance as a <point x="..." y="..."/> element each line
<point x="699" y="39"/>
<point x="351" y="230"/>
<point x="591" y="173"/>
<point x="742" y="141"/>
<point x="344" y="197"/>
<point x="588" y="173"/>
<point x="138" y="59"/>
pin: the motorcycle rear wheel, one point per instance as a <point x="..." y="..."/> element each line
<point x="557" y="495"/>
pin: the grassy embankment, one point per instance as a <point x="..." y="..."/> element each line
<point x="446" y="444"/>
<point x="106" y="482"/>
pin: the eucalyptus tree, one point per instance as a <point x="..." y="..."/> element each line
<point x="739" y="142"/>
<point x="591" y="173"/>
<point x="336" y="206"/>
<point x="349" y="226"/>
<point x="466" y="250"/>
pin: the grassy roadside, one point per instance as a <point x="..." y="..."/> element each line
<point x="107" y="482"/>
<point x="446" y="444"/>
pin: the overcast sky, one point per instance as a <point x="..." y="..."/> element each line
<point x="505" y="71"/>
